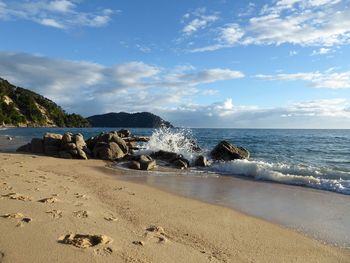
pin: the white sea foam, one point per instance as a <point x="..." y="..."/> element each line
<point x="287" y="174"/>
<point x="179" y="141"/>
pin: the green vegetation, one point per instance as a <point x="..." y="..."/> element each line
<point x="20" y="106"/>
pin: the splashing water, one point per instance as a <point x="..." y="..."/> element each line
<point x="180" y="141"/>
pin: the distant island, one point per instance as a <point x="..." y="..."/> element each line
<point x="129" y="120"/>
<point x="24" y="108"/>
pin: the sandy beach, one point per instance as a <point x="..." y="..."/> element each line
<point x="76" y="211"/>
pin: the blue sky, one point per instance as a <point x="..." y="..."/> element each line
<point x="263" y="64"/>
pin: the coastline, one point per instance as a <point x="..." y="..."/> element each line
<point x="193" y="231"/>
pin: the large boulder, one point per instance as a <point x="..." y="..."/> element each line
<point x="134" y="165"/>
<point x="52" y="143"/>
<point x="24" y="148"/>
<point x="226" y="152"/>
<point x="37" y="146"/>
<point x="78" y="139"/>
<point x="67" y="138"/>
<point x="201" y="161"/>
<point x="108" y="151"/>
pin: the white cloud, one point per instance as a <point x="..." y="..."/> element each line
<point x="59" y="13"/>
<point x="328" y="113"/>
<point x="51" y="22"/>
<point x="328" y="79"/>
<point x="129" y="86"/>
<point x="306" y="23"/>
<point x="321" y="51"/>
<point x="200" y="20"/>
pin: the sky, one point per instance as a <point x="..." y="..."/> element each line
<point x="196" y="63"/>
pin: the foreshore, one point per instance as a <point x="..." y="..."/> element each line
<point x="137" y="223"/>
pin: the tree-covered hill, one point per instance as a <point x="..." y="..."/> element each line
<point x="22" y="107"/>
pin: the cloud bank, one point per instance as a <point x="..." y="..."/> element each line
<point x="61" y="14"/>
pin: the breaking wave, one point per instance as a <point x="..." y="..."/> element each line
<point x="300" y="175"/>
<point x="180" y="141"/>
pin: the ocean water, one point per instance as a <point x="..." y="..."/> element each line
<point x="311" y="158"/>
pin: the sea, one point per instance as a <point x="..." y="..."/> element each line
<point x="299" y="179"/>
<point x="310" y="158"/>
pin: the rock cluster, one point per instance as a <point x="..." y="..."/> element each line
<point x="120" y="146"/>
<point x="106" y="146"/>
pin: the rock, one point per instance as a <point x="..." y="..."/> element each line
<point x="36" y="146"/>
<point x="65" y="155"/>
<point x="226" y="152"/>
<point x="69" y="146"/>
<point x="134" y="165"/>
<point x="124" y="133"/>
<point x="201" y="161"/>
<point x="79" y="140"/>
<point x="143" y="158"/>
<point x="81" y="154"/>
<point x="108" y="151"/>
<point x="51" y="150"/>
<point x="121" y="143"/>
<point x="52" y="139"/>
<point x="24" y="148"/>
<point x="67" y="138"/>
<point x="52" y="143"/>
<point x="148" y="165"/>
<point x="164" y="155"/>
<point x="181" y="163"/>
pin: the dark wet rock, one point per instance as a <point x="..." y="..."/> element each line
<point x="148" y="165"/>
<point x="180" y="163"/>
<point x="165" y="155"/>
<point x="201" y="161"/>
<point x="134" y="165"/>
<point x="69" y="146"/>
<point x="52" y="139"/>
<point x="37" y="146"/>
<point x="24" y="148"/>
<point x="226" y="152"/>
<point x="65" y="155"/>
<point x="52" y="143"/>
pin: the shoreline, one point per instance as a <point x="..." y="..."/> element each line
<point x="194" y="231"/>
<point x="282" y="204"/>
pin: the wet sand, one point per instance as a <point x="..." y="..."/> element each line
<point x="320" y="214"/>
<point x="79" y="211"/>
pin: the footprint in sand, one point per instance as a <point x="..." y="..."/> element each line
<point x="2" y="255"/>
<point x="110" y="218"/>
<point x="80" y="214"/>
<point x="106" y="251"/>
<point x="55" y="214"/>
<point x="156" y="232"/>
<point x="138" y="243"/>
<point x="83" y="196"/>
<point x="16" y="196"/>
<point x="23" y="218"/>
<point x="84" y="241"/>
<point x="48" y="200"/>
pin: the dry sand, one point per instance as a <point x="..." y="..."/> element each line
<point x="55" y="210"/>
